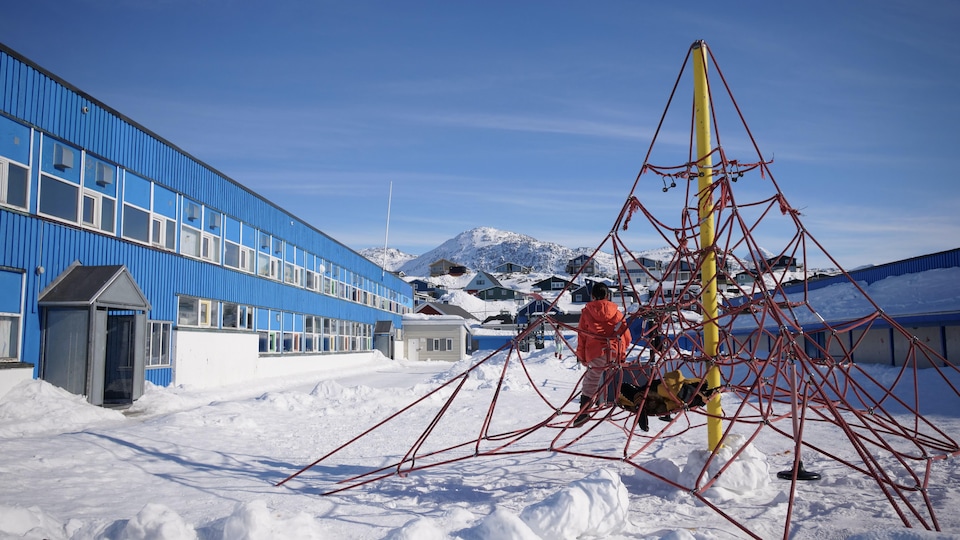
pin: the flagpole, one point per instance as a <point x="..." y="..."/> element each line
<point x="386" y="235"/>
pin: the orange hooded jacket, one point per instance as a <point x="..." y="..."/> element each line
<point x="601" y="318"/>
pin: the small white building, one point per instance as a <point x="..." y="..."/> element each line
<point x="435" y="337"/>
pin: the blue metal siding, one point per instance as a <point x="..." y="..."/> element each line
<point x="159" y="376"/>
<point x="162" y="276"/>
<point x="56" y="109"/>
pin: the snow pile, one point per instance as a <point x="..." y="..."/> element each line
<point x="34" y="407"/>
<point x="157" y="522"/>
<point x="255" y="521"/>
<point x="743" y="476"/>
<point x="19" y="522"/>
<point x="595" y="506"/>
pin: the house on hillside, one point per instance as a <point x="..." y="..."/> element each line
<point x="642" y="272"/>
<point x="425" y="287"/>
<point x="678" y="271"/>
<point x="584" y="293"/>
<point x="782" y="262"/>
<point x="552" y="283"/>
<point x="746" y="279"/>
<point x="481" y="281"/>
<point x="588" y="265"/>
<point x="535" y="309"/>
<point x="441" y="267"/>
<point x="424" y="292"/>
<point x="512" y="268"/>
<point x="499" y="293"/>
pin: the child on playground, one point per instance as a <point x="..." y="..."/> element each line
<point x="603" y="340"/>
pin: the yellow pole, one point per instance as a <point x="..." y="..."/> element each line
<point x="708" y="268"/>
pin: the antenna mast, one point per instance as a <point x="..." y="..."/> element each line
<point x="386" y="235"/>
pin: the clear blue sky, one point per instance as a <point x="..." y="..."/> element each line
<point x="531" y="117"/>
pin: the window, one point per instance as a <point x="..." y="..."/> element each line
<point x="163" y="232"/>
<point x="269" y="341"/>
<point x="330" y="330"/>
<point x="188" y="311"/>
<point x="248" y="258"/>
<point x="136" y="223"/>
<point x="189" y="241"/>
<point x="209" y="313"/>
<point x="210" y="248"/>
<point x="291" y="274"/>
<point x="231" y="254"/>
<point x="158" y="343"/>
<point x="210" y="240"/>
<point x="58" y="199"/>
<point x="190" y="229"/>
<point x="99" y="200"/>
<point x="13" y="184"/>
<point x="291" y="341"/>
<point x="237" y="316"/>
<point x="268" y="264"/>
<point x="99" y="211"/>
<point x="198" y="312"/>
<point x="11" y="306"/>
<point x="312" y="334"/>
<point x="9" y="337"/>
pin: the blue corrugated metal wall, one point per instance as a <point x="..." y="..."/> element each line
<point x="39" y="99"/>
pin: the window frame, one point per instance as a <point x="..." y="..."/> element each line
<point x="98" y="219"/>
<point x="5" y="165"/>
<point x="152" y="358"/>
<point x="62" y="182"/>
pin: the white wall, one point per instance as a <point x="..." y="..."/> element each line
<point x="210" y="359"/>
<point x="11" y="377"/>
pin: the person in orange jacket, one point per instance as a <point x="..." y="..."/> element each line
<point x="602" y="342"/>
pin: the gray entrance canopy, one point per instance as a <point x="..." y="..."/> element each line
<point x="102" y="286"/>
<point x="94" y="324"/>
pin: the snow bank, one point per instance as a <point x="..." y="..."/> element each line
<point x="156" y="522"/>
<point x="34" y="407"/>
<point x="746" y="474"/>
<point x="595" y="506"/>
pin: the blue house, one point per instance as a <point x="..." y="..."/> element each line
<point x="125" y="259"/>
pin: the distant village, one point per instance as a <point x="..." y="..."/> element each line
<point x="459" y="310"/>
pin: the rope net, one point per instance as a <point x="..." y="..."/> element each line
<point x="787" y="361"/>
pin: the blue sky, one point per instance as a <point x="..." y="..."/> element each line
<point x="531" y="117"/>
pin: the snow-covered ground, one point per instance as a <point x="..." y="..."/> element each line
<point x="183" y="464"/>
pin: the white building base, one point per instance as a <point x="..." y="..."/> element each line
<point x="13" y="374"/>
<point x="212" y="359"/>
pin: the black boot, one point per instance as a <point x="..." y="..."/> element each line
<point x="582" y="418"/>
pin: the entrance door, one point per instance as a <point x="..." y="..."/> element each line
<point x="120" y="355"/>
<point x="65" y="349"/>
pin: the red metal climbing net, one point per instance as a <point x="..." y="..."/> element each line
<point x="787" y="362"/>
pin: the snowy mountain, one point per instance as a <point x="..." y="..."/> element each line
<point x="392" y="262"/>
<point x="485" y="248"/>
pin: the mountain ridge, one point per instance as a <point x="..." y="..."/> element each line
<point x="485" y="248"/>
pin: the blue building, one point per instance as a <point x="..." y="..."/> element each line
<point x="125" y="259"/>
